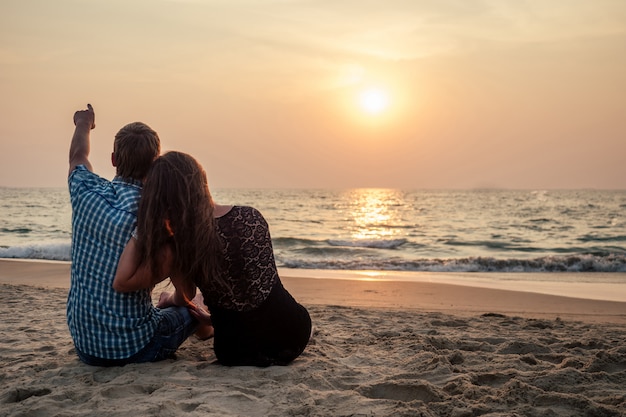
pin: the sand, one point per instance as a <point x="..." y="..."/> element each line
<point x="380" y="348"/>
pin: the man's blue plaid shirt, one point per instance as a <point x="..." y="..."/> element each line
<point x="102" y="322"/>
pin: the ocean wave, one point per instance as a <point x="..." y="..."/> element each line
<point x="369" y="243"/>
<point x="571" y="263"/>
<point x="594" y="238"/>
<point x="358" y="258"/>
<point x="17" y="230"/>
<point x="291" y="243"/>
<point x="47" y="251"/>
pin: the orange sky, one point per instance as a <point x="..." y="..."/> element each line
<point x="492" y="93"/>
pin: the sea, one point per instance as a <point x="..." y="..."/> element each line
<point x="506" y="231"/>
<point x="384" y="229"/>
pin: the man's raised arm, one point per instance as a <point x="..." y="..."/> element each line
<point x="84" y="120"/>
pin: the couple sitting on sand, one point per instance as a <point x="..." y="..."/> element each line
<point x="123" y="245"/>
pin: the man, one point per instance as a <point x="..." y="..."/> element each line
<point x="111" y="328"/>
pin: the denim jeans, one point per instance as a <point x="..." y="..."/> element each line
<point x="175" y="327"/>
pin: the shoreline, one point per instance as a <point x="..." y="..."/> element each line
<point x="454" y="293"/>
<point x="602" y="286"/>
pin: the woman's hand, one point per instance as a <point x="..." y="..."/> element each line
<point x="200" y="314"/>
<point x="205" y="324"/>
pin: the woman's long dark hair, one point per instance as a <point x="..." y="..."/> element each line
<point x="176" y="208"/>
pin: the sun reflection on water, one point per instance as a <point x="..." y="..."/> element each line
<point x="373" y="213"/>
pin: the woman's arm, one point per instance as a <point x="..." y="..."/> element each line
<point x="131" y="275"/>
<point x="184" y="293"/>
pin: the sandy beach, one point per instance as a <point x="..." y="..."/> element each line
<point x="380" y="348"/>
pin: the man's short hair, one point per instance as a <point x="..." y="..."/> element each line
<point x="135" y="148"/>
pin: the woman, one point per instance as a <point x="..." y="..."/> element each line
<point x="226" y="252"/>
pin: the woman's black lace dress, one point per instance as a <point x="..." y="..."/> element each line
<point x="257" y="322"/>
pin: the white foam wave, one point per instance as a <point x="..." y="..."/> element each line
<point x="573" y="263"/>
<point x="49" y="251"/>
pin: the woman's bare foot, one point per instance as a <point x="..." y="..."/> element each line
<point x="201" y="312"/>
<point x="205" y="331"/>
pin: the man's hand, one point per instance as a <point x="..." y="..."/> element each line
<point x="85" y="117"/>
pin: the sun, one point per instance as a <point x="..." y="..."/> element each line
<point x="373" y="100"/>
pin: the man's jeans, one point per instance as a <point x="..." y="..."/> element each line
<point x="175" y="327"/>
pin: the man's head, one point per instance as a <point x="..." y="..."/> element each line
<point x="136" y="146"/>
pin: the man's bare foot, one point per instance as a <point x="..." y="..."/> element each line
<point x="164" y="300"/>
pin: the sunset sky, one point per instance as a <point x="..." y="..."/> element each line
<point x="324" y="94"/>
